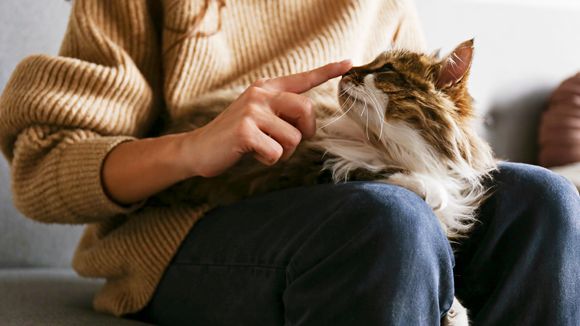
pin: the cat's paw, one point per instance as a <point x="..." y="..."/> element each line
<point x="408" y="182"/>
<point x="456" y="316"/>
<point x="427" y="188"/>
<point x="437" y="197"/>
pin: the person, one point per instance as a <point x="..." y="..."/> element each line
<point x="82" y="133"/>
<point x="559" y="144"/>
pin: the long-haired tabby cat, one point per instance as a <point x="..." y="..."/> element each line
<point x="402" y="119"/>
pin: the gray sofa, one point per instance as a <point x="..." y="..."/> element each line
<point x="37" y="286"/>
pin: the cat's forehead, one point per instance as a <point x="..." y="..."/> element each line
<point x="403" y="60"/>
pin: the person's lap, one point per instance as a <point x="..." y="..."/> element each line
<point x="520" y="266"/>
<point x="330" y="253"/>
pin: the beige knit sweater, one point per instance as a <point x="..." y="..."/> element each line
<point x="124" y="63"/>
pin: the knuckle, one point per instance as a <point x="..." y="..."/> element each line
<point x="251" y="110"/>
<point x="292" y="140"/>
<point x="253" y="92"/>
<point x="295" y="138"/>
<point x="307" y="106"/>
<point x="260" y="82"/>
<point x="243" y="131"/>
<point x="275" y="155"/>
<point x="278" y="96"/>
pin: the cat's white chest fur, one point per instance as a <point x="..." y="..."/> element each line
<point x="349" y="149"/>
<point x="363" y="140"/>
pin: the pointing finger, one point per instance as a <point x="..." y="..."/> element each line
<point x="304" y="81"/>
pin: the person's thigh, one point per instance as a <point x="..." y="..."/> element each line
<point x="303" y="247"/>
<point x="521" y="265"/>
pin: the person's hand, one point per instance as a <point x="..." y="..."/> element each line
<point x="268" y="120"/>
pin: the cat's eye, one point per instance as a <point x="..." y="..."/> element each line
<point x="388" y="67"/>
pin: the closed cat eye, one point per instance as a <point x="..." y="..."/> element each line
<point x="386" y="68"/>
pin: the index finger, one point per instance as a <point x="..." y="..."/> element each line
<point x="304" y="81"/>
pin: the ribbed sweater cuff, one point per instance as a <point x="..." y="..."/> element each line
<point x="79" y="179"/>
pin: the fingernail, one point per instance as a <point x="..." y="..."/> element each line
<point x="345" y="62"/>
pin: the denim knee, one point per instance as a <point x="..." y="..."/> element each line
<point x="542" y="193"/>
<point x="381" y="252"/>
<point x="547" y="201"/>
<point x="408" y="236"/>
<point x="388" y="220"/>
<point x="399" y="217"/>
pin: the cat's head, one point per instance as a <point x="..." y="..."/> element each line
<point x="424" y="93"/>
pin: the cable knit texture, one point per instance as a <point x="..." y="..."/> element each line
<point x="123" y="65"/>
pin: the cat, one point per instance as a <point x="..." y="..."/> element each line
<point x="403" y="119"/>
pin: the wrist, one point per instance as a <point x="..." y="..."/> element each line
<point x="182" y="155"/>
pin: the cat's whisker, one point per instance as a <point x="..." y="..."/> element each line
<point x="349" y="97"/>
<point x="367" y="127"/>
<point x="380" y="121"/>
<point x="346" y="90"/>
<point x="345" y="101"/>
<point x="363" y="110"/>
<point x="369" y="101"/>
<point x="340" y="116"/>
<point x="376" y="105"/>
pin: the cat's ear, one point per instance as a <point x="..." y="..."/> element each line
<point x="455" y="66"/>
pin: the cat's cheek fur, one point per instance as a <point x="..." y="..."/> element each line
<point x="371" y="114"/>
<point x="380" y="96"/>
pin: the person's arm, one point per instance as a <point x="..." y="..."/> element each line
<point x="61" y="115"/>
<point x="269" y="119"/>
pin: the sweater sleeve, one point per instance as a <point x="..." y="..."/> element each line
<point x="60" y="116"/>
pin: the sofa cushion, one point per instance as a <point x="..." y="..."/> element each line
<point x="27" y="243"/>
<point x="50" y="297"/>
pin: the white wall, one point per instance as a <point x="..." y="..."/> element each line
<point x="523" y="50"/>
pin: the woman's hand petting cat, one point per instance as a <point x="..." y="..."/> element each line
<point x="268" y="120"/>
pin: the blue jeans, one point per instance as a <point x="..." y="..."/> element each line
<point x="367" y="253"/>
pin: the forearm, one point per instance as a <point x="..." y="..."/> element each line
<point x="136" y="170"/>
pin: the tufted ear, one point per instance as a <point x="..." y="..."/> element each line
<point x="456" y="65"/>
